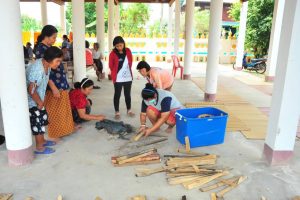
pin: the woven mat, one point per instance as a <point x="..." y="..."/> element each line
<point x="243" y="116"/>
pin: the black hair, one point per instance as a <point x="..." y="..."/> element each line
<point x="47" y="31"/>
<point x="85" y="83"/>
<point x="96" y="44"/>
<point x="149" y="92"/>
<point x="63" y="47"/>
<point x="66" y="37"/>
<point x="118" y="40"/>
<point x="87" y="44"/>
<point x="51" y="53"/>
<point x="143" y="64"/>
<point x="28" y="43"/>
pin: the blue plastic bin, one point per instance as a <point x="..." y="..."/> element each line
<point x="201" y="131"/>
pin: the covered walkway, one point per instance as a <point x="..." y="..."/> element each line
<point x="83" y="159"/>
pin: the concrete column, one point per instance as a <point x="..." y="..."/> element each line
<point x="117" y="19"/>
<point x="284" y="115"/>
<point x="177" y="27"/>
<point x="13" y="92"/>
<point x="100" y="24"/>
<point x="214" y="41"/>
<point x="78" y="26"/>
<point x="274" y="40"/>
<point x="63" y="19"/>
<point x="241" y="35"/>
<point x="44" y="14"/>
<point x="170" y="29"/>
<point x="110" y="24"/>
<point x="188" y="48"/>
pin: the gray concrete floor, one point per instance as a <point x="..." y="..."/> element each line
<point x="81" y="168"/>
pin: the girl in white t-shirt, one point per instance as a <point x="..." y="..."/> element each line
<point x="97" y="57"/>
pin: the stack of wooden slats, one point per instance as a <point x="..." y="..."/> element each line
<point x="139" y="158"/>
<point x="195" y="171"/>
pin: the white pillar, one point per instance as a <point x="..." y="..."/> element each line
<point x="44" y="14"/>
<point x="13" y="92"/>
<point x="63" y="19"/>
<point x="116" y="19"/>
<point x="177" y="27"/>
<point x="214" y="41"/>
<point x="100" y="24"/>
<point x="241" y="35"/>
<point x="78" y="27"/>
<point x="284" y="113"/>
<point x="274" y="40"/>
<point x="110" y="24"/>
<point x="188" y="48"/>
<point x="170" y="29"/>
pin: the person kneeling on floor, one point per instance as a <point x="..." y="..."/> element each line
<point x="80" y="104"/>
<point x="160" y="107"/>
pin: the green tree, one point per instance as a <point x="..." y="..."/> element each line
<point x="259" y="24"/>
<point x="29" y="24"/>
<point x="90" y="16"/>
<point x="201" y="20"/>
<point x="154" y="29"/>
<point x="134" y="18"/>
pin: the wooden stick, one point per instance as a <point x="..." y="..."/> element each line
<point x="187" y="144"/>
<point x="98" y="198"/>
<point x="138" y="163"/>
<point x="152" y="142"/>
<point x="148" y="172"/>
<point x="155" y="156"/>
<point x="191" y="152"/>
<point x="213" y="196"/>
<point x="239" y="181"/>
<point x="203" y="180"/>
<point x="59" y="197"/>
<point x="138" y="136"/>
<point x="139" y="197"/>
<point x="119" y="158"/>
<point x="219" y="184"/>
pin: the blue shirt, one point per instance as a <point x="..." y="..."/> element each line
<point x="58" y="76"/>
<point x="35" y="73"/>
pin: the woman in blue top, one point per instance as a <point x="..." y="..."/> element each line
<point x="57" y="101"/>
<point x="37" y="77"/>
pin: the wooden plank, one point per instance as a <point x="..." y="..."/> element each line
<point x="213" y="196"/>
<point x="201" y="181"/>
<point x="219" y="184"/>
<point x="138" y="163"/>
<point x="187" y="144"/>
<point x="229" y="188"/>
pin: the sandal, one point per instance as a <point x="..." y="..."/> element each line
<point x="117" y="116"/>
<point x="130" y="114"/>
<point x="96" y="87"/>
<point x="47" y="150"/>
<point x="49" y="143"/>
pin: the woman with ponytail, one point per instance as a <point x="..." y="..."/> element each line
<point x="159" y="106"/>
<point x="80" y="104"/>
<point x="120" y="63"/>
<point x="57" y="101"/>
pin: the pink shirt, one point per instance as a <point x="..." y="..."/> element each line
<point x="160" y="78"/>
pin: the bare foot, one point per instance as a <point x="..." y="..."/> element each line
<point x="77" y="127"/>
<point x="169" y="129"/>
<point x="130" y="113"/>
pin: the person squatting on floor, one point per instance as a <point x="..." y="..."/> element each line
<point x="159" y="78"/>
<point x="80" y="104"/>
<point x="37" y="77"/>
<point x="57" y="101"/>
<point x="159" y="106"/>
<point x="120" y="63"/>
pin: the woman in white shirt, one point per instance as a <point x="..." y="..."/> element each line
<point x="97" y="57"/>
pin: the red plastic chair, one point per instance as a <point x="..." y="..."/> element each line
<point x="176" y="65"/>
